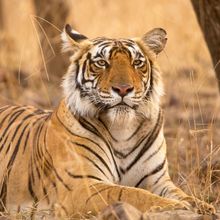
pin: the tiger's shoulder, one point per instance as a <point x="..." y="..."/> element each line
<point x="14" y="111"/>
<point x="14" y="117"/>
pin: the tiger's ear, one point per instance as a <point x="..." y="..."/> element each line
<point x="72" y="40"/>
<point x="155" y="39"/>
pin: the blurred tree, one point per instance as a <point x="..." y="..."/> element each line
<point x="17" y="37"/>
<point x="19" y="51"/>
<point x="51" y="19"/>
<point x="30" y="36"/>
<point x="208" y="15"/>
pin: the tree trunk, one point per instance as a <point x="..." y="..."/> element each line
<point x="19" y="48"/>
<point x="30" y="36"/>
<point x="52" y="16"/>
<point x="208" y="15"/>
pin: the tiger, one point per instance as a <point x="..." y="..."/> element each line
<point x="102" y="144"/>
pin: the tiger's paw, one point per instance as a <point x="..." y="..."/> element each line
<point x="199" y="206"/>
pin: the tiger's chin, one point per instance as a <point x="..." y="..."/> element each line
<point x="120" y="114"/>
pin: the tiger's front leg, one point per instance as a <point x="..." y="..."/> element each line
<point x="159" y="183"/>
<point x="164" y="187"/>
<point x="169" y="190"/>
<point x="92" y="197"/>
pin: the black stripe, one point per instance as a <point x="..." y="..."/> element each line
<point x="129" y="45"/>
<point x="104" y="42"/>
<point x="17" y="128"/>
<point x="76" y="75"/>
<point x="12" y="118"/>
<point x="88" y="126"/>
<point x="106" y="128"/>
<point x="98" y="55"/>
<point x="41" y="158"/>
<point x="163" y="192"/>
<point x="94" y="153"/>
<point x="96" y="165"/>
<point x="14" y="154"/>
<point x="155" y="152"/>
<point x="54" y="170"/>
<point x="102" y="50"/>
<point x="113" y="50"/>
<point x="32" y="162"/>
<point x="120" y="155"/>
<point x="83" y="176"/>
<point x="27" y="138"/>
<point x="60" y="179"/>
<point x="136" y="131"/>
<point x="158" y="179"/>
<point x="28" y="134"/>
<point x="120" y="193"/>
<point x="88" y="139"/>
<point x="48" y="163"/>
<point x="35" y="155"/>
<point x="15" y="132"/>
<point x="95" y="131"/>
<point x="31" y="174"/>
<point x="88" y="57"/>
<point x="31" y="191"/>
<point x="83" y="70"/>
<point x="98" y="40"/>
<point x="3" y="120"/>
<point x="156" y="170"/>
<point x="152" y="137"/>
<point x="3" y="195"/>
<point x="150" y="89"/>
<point x="15" y="115"/>
<point x="4" y="108"/>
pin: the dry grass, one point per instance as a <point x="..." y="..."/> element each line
<point x="191" y="102"/>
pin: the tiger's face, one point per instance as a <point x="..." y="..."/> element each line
<point x="116" y="76"/>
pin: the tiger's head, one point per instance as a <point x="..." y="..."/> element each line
<point x="113" y="76"/>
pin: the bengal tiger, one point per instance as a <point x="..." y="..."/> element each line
<point x="104" y="142"/>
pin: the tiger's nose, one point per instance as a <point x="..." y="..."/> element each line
<point x="122" y="89"/>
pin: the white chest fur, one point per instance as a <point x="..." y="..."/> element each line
<point x="130" y="137"/>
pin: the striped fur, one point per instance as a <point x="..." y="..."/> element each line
<point x="102" y="144"/>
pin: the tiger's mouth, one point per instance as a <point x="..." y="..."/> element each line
<point x="122" y="106"/>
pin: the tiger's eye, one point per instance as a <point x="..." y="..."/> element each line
<point x="138" y="62"/>
<point x="101" y="62"/>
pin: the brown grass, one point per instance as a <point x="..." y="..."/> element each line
<point x="191" y="102"/>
